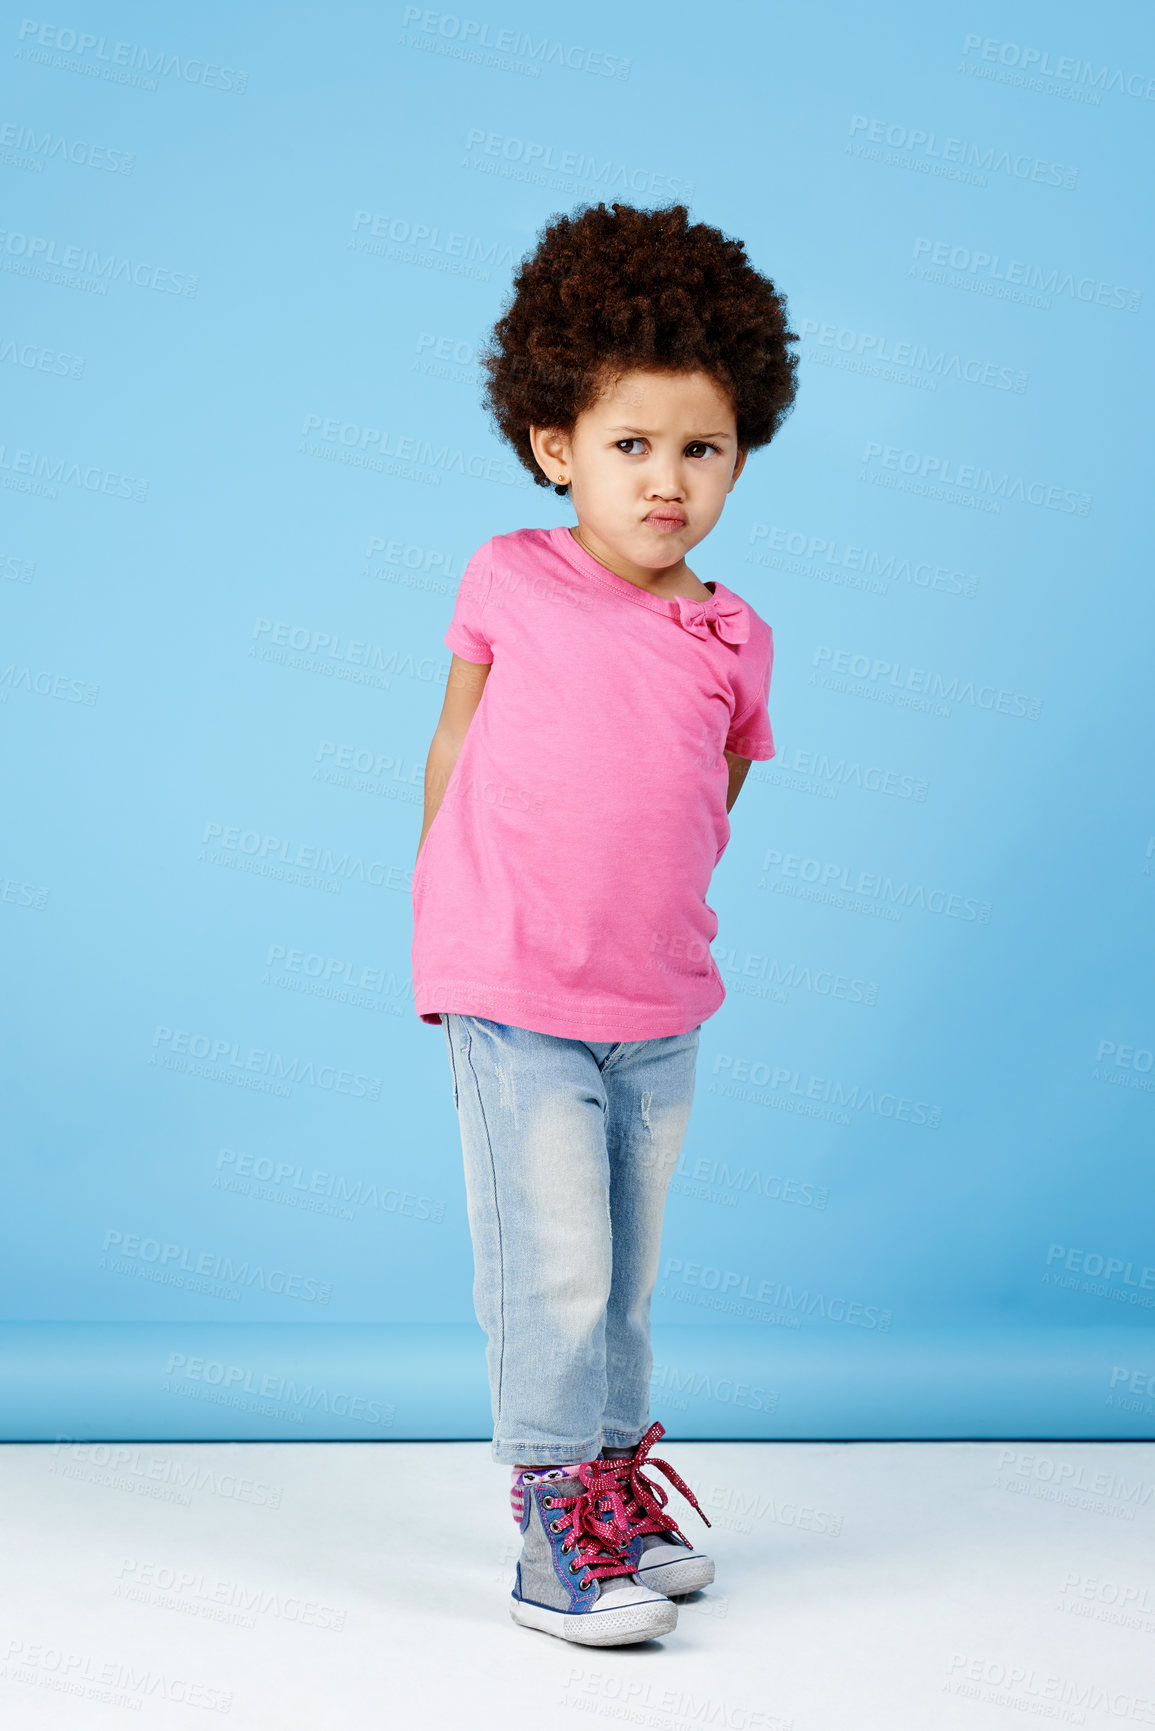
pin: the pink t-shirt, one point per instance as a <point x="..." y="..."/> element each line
<point x="562" y="884"/>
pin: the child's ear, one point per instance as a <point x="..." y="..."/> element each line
<point x="551" y="448"/>
<point x="738" y="467"/>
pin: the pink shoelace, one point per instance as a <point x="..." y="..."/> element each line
<point x="594" y="1521"/>
<point x="645" y="1500"/>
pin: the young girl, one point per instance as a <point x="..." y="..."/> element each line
<point x="601" y="711"/>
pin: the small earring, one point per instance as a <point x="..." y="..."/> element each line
<point x="561" y="480"/>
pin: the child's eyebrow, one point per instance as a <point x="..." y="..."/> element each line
<point x="645" y="433"/>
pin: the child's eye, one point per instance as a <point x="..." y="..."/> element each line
<point x="698" y="448"/>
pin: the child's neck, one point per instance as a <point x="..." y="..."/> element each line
<point x="674" y="580"/>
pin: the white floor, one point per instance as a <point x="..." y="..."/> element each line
<point x="343" y="1587"/>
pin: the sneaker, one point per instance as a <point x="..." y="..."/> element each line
<point x="574" y="1579"/>
<point x="661" y="1555"/>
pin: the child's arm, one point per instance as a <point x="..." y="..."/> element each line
<point x="463" y="688"/>
<point x="738" y="767"/>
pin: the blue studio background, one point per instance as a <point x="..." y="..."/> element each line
<point x="248" y="257"/>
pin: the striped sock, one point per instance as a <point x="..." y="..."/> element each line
<point x="522" y="1475"/>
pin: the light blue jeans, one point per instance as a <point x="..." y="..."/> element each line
<point x="569" y="1146"/>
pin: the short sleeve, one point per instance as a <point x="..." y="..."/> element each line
<point x="468" y="633"/>
<point x="750" y="734"/>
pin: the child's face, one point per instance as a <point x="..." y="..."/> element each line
<point x="649" y="464"/>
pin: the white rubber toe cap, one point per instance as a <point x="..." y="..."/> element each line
<point x="673" y="1569"/>
<point x="625" y="1611"/>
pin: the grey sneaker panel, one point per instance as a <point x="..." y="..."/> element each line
<point x="618" y="1590"/>
<point x="649" y="1540"/>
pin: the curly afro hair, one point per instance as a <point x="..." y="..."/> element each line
<point x="610" y="290"/>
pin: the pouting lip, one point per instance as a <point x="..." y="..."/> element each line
<point x="664" y="517"/>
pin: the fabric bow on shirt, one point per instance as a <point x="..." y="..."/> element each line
<point x="728" y="618"/>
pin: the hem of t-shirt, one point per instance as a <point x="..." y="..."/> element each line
<point x="576" y="1021"/>
<point x="757" y="750"/>
<point x="464" y="646"/>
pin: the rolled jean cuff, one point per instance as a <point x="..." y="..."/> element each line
<point x="528" y="1454"/>
<point x="618" y="1439"/>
